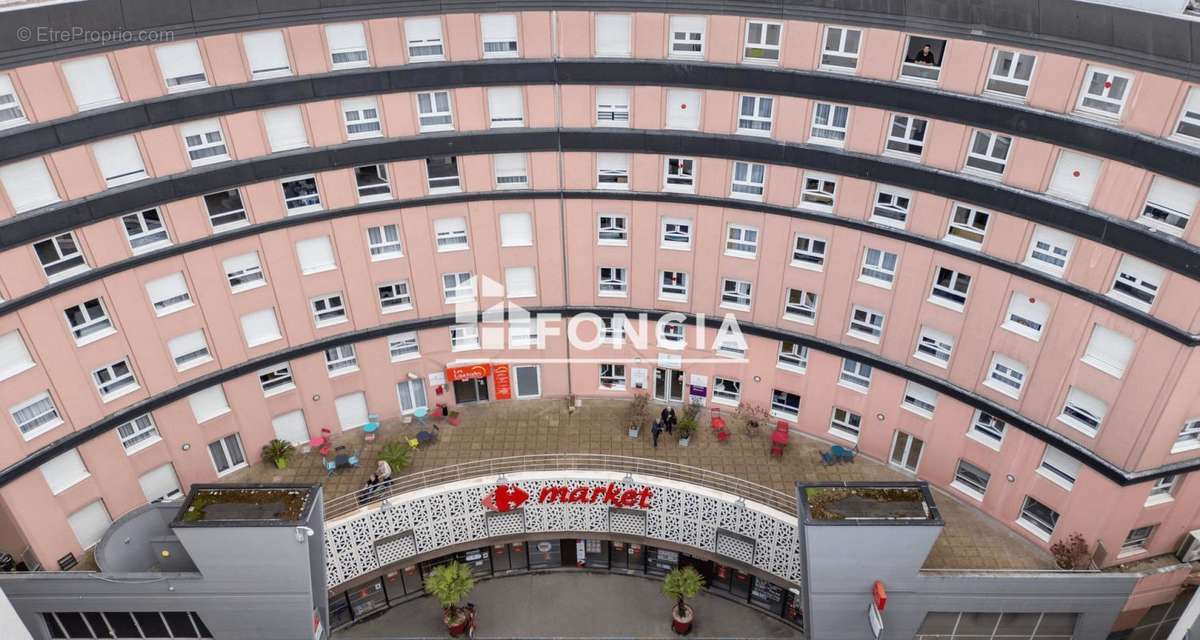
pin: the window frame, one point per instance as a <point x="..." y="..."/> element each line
<point x="94" y="328"/>
<point x="398" y="296"/>
<point x="332" y="305"/>
<point x="341" y="359"/>
<point x="1010" y="78"/>
<point x="852" y="377"/>
<point x="746" y="188"/>
<point x="1034" y="523"/>
<point x="404" y="346"/>
<point x="64" y="265"/>
<point x="984" y="163"/>
<point x="815" y="258"/>
<point x="142" y="433"/>
<point x="794" y="359"/>
<point x="679" y="174"/>
<point x="962" y="229"/>
<point x="223" y="442"/>
<point x="997" y="380"/>
<point x="910" y="145"/>
<point x="830" y="57"/>
<point x="117" y="384"/>
<point x="866" y="324"/>
<point x="147" y="238"/>
<point x="969" y="484"/>
<point x="763" y="46"/>
<point x="754" y="123"/>
<point x="432" y="116"/>
<point x="868" y="268"/>
<point x="736" y="294"/>
<point x="931" y="343"/>
<point x="824" y="130"/>
<point x="51" y="423"/>
<point x="678" y="291"/>
<point x="945" y="290"/>
<point x="741" y="240"/>
<point x="276" y="379"/>
<point x="613" y="286"/>
<point x="621" y="229"/>
<point x="435" y="46"/>
<point x="892" y="206"/>
<point x="1084" y="94"/>
<point x="987" y="429"/>
<point x="845" y="424"/>
<point x="210" y="137"/>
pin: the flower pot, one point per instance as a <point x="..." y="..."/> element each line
<point x="457" y="625"/>
<point x="634" y="431"/>
<point x="685" y="440"/>
<point x="682" y="624"/>
<point x="280" y="463"/>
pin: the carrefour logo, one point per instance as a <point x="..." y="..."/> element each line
<point x="507" y="497"/>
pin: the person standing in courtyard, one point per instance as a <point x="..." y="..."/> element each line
<point x="672" y="420"/>
<point x="656" y="431"/>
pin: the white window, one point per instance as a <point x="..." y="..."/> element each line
<point x="181" y="66"/>
<point x="351" y="410"/>
<point x="60" y="256"/>
<point x="91" y="83"/>
<point x="328" y="310"/>
<point x="424" y="39"/>
<point x="208" y="403"/>
<point x="285" y="128"/>
<point x="189" y="350"/>
<point x="1188" y="129"/>
<point x="442" y="173"/>
<point x="1006" y="375"/>
<point x="244" y="272"/>
<point x="120" y="160"/>
<point x="683" y="109"/>
<point x="919" y="400"/>
<point x="516" y="230"/>
<point x="28" y="185"/>
<point x="1009" y="75"/>
<point x="1137" y="540"/>
<point x="727" y="391"/>
<point x="451" y="233"/>
<point x="1163" y="490"/>
<point x="735" y="294"/>
<point x="756" y="115"/>
<point x="204" y="142"/>
<point x="612" y="329"/>
<point x="341" y="359"/>
<point x="676" y="233"/>
<point x="89" y="524"/>
<point x="839" y="50"/>
<point x="64" y="471"/>
<point x="866" y="324"/>
<point x="145" y="231"/>
<point x="1026" y="316"/>
<point x="267" y="53"/>
<point x="225" y="210"/>
<point x="315" y="255"/>
<point x="1059" y="467"/>
<point x="968" y="226"/>
<point x="520" y="282"/>
<point x="613" y="282"/>
<point x="950" y="289"/>
<point x="1075" y="177"/>
<point x="1188" y="438"/>
<point x="673" y="285"/>
<point x="612" y="35"/>
<point x="347" y="45"/>
<point x="137" y="434"/>
<point x="829" y="124"/>
<point x="14" y="357"/>
<point x="404" y="346"/>
<point x="988" y="154"/>
<point x="670" y="334"/>
<point x="612" y="107"/>
<point x="160" y="484"/>
<point x="412" y="395"/>
<point x="1050" y="250"/>
<point x="878" y="268"/>
<point x="855" y="375"/>
<point x="276" y="379"/>
<point x="433" y="111"/>
<point x="1109" y="351"/>
<point x="506" y="107"/>
<point x="762" y="42"/>
<point x="785" y="405"/>
<point x="361" y="116"/>
<point x="499" y="35"/>
<point x="612" y="377"/>
<point x="792" y="356"/>
<point x="906" y="137"/>
<point x="808" y="252"/>
<point x="35" y="416"/>
<point x="800" y="306"/>
<point x="227" y="454"/>
<point x="612" y="171"/>
<point x="11" y="113"/>
<point x="1083" y="411"/>
<point x="1137" y="283"/>
<point x="687" y="37"/>
<point x="1169" y="205"/>
<point x="741" y="241"/>
<point x="260" y="327"/>
<point x="464" y="337"/>
<point x="891" y="207"/>
<point x="679" y="174"/>
<point x="89" y="321"/>
<point x="987" y="429"/>
<point x="749" y="179"/>
<point x="169" y="294"/>
<point x="845" y="424"/>
<point x="1038" y="519"/>
<point x="612" y="229"/>
<point x="300" y="194"/>
<point x="923" y="59"/>
<point x="458" y="287"/>
<point x="1103" y="92"/>
<point x="934" y="347"/>
<point x="818" y="191"/>
<point x="372" y="183"/>
<point x="511" y="172"/>
<point x="971" y="479"/>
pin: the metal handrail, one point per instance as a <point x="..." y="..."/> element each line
<point x="342" y="505"/>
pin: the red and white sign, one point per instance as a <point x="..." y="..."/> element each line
<point x="879" y="595"/>
<point x="502" y="377"/>
<point x="468" y="372"/>
<point x="507" y="497"/>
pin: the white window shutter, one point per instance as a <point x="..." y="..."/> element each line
<point x="422" y="29"/>
<point x="91" y="83"/>
<point x="683" y="109"/>
<point x="612" y="35"/>
<point x="267" y="53"/>
<point x="186" y="343"/>
<point x="520" y="282"/>
<point x="1110" y="349"/>
<point x="498" y="26"/>
<point x="179" y="61"/>
<point x="1062" y="461"/>
<point x="285" y="128"/>
<point x="120" y="160"/>
<point x="450" y="225"/>
<point x="349" y="35"/>
<point x="208" y="403"/>
<point x="28" y="184"/>
<point x="242" y="262"/>
<point x="14" y="357"/>
<point x="291" y="427"/>
<point x="64" y="471"/>
<point x="1075" y="176"/>
<point x="1174" y="194"/>
<point x="260" y="327"/>
<point x="516" y="230"/>
<point x="351" y="410"/>
<point x="315" y="254"/>
<point x="160" y="483"/>
<point x="166" y="287"/>
<point x="505" y="107"/>
<point x="89" y="524"/>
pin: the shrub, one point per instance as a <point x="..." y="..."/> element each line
<point x="1071" y="553"/>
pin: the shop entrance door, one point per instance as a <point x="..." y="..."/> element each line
<point x="668" y="385"/>
<point x="466" y="391"/>
<point x="906" y="452"/>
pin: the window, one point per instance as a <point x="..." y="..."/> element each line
<point x="687" y="37"/>
<point x="64" y="471"/>
<point x="225" y="210"/>
<point x="923" y="58"/>
<point x="988" y="154"/>
<point x="412" y="395"/>
<point x="267" y="54"/>
<point x="785" y="405"/>
<point x="866" y="324"/>
<point x="1074" y="177"/>
<point x="735" y="294"/>
<point x="443" y="174"/>
<point x="829" y="124"/>
<point x="1188" y="129"/>
<point x="316" y="255"/>
<point x="670" y="334"/>
<point x="612" y="329"/>
<point x="1009" y="75"/>
<point x="120" y="160"/>
<point x="328" y="310"/>
<point x="520" y="282"/>
<point x="91" y="83"/>
<point x="792" y="356"/>
<point x="1059" y="467"/>
<point x="516" y="230"/>
<point x="341" y="359"/>
<point x="137" y="434"/>
<point x="809" y="252"/>
<point x="673" y="285"/>
<point x="347" y="45"/>
<point x="403" y="346"/>
<point x="845" y="424"/>
<point x="676" y="233"/>
<point x="394" y="296"/>
<point x="28" y="185"/>
<point x="906" y="137"/>
<point x="260" y="327"/>
<point x="891" y="206"/>
<point x="1137" y="540"/>
<point x="878" y="268"/>
<point x="968" y="227"/>
<point x="755" y="115"/>
<point x="612" y="229"/>
<point x="1006" y="375"/>
<point x="372" y="183"/>
<point x="1049" y="250"/>
<point x="919" y="399"/>
<point x="276" y="379"/>
<point x="741" y="241"/>
<point x="855" y="374"/>
<point x="204" y="142"/>
<point x="1026" y="316"/>
<point x="361" y="116"/>
<point x="1109" y="351"/>
<point x="300" y="194"/>
<point x="762" y="42"/>
<point x="612" y="107"/>
<point x="613" y="282"/>
<point x="971" y="480"/>
<point x="612" y="35"/>
<point x="114" y="380"/>
<point x="1103" y="92"/>
<point x="181" y="66"/>
<point x="36" y="416"/>
<point x="244" y="272"/>
<point x="839" y="51"/>
<point x="817" y="191"/>
<point x="1038" y="518"/>
<point x="458" y="287"/>
<point x="189" y="350"/>
<point x="748" y="180"/>
<point x="169" y="294"/>
<point x="14" y="357"/>
<point x="145" y="231"/>
<point x="679" y="174"/>
<point x="451" y="233"/>
<point x="464" y="337"/>
<point x="987" y="429"/>
<point x="1137" y="283"/>
<point x="285" y="128"/>
<point x="612" y="171"/>
<point x="1163" y="490"/>
<point x="227" y="455"/>
<point x="11" y="114"/>
<point x="506" y="107"/>
<point x="510" y="171"/>
<point x="800" y="306"/>
<point x="683" y="109"/>
<point x="1083" y="411"/>
<point x="1188" y="438"/>
<point x="612" y="377"/>
<point x="160" y="485"/>
<point x="727" y="391"/>
<point x="934" y="347"/>
<point x="433" y="111"/>
<point x="60" y="256"/>
<point x="89" y="321"/>
<point x="950" y="289"/>
<point x="89" y="525"/>
<point x="499" y="35"/>
<point x="1169" y="205"/>
<point x="424" y="38"/>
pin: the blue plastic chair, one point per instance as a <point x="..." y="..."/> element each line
<point x="827" y="458"/>
<point x="354" y="459"/>
<point x="330" y="465"/>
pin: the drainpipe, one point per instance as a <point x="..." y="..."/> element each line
<point x="562" y="203"/>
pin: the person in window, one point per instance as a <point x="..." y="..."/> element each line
<point x="925" y="55"/>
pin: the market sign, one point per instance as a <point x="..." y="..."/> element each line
<point x="507" y="497"/>
<point x="501" y="375"/>
<point x="469" y="372"/>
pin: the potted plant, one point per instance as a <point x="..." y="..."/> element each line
<point x="451" y="584"/>
<point x="639" y="409"/>
<point x="398" y="454"/>
<point x="687" y="424"/>
<point x="752" y="416"/>
<point x="682" y="583"/>
<point x="278" y="451"/>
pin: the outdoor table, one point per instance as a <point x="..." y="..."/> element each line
<point x="341" y="461"/>
<point x="369" y="429"/>
<point x="424" y="437"/>
<point x="841" y="453"/>
<point x="420" y="413"/>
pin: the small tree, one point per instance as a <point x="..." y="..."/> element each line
<point x="681" y="584"/>
<point x="1071" y="553"/>
<point x="639" y="409"/>
<point x="752" y="415"/>
<point x="398" y="454"/>
<point x="451" y="584"/>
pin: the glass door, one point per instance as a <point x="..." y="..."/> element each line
<point x="529" y="381"/>
<point x="668" y="385"/>
<point x="412" y="395"/>
<point x="906" y="452"/>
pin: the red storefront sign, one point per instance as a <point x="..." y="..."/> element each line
<point x="507" y="497"/>
<point x="500" y="374"/>
<point x="469" y="372"/>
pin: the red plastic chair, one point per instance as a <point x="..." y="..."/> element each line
<point x="777" y="450"/>
<point x="722" y="436"/>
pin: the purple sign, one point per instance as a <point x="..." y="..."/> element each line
<point x="701" y="392"/>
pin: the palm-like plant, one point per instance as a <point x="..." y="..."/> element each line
<point x="398" y="454"/>
<point x="681" y="584"/>
<point x="451" y="584"/>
